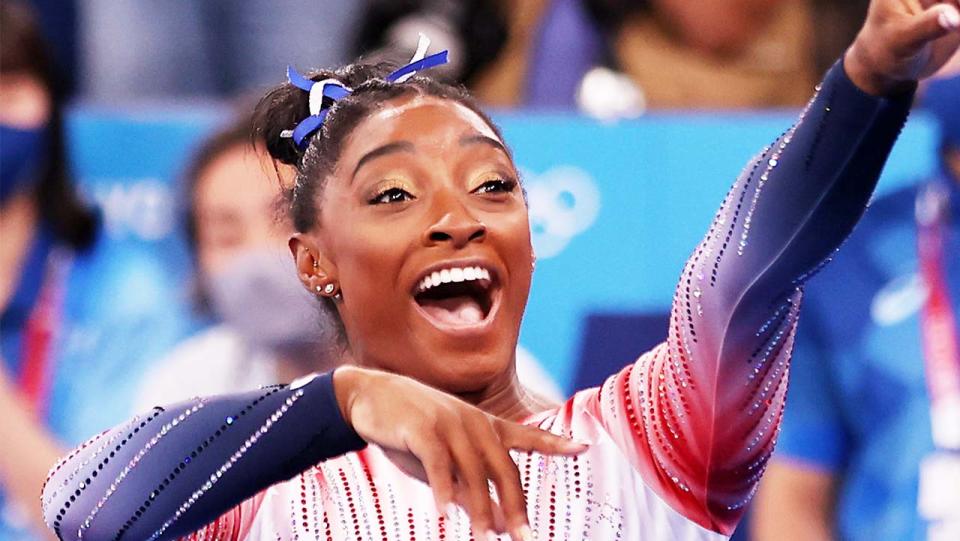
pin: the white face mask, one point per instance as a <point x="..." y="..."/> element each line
<point x="259" y="295"/>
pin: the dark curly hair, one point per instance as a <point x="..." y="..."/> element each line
<point x="286" y="105"/>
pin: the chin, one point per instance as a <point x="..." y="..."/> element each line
<point x="472" y="374"/>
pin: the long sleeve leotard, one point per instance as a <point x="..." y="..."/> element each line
<point x="679" y="438"/>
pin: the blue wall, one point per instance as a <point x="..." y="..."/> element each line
<point x="616" y="208"/>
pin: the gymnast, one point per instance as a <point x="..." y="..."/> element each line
<point x="412" y="228"/>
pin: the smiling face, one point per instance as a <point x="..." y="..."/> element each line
<point x="424" y="228"/>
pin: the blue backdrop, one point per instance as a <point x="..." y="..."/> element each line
<point x="615" y="209"/>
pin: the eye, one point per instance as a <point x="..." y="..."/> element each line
<point x="391" y="195"/>
<point x="497" y="185"/>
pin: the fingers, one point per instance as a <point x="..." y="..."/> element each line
<point x="506" y="478"/>
<point x="438" y="467"/>
<point x="934" y="23"/>
<point x="530" y="438"/>
<point x="474" y="492"/>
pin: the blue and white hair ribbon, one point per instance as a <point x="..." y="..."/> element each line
<point x="420" y="61"/>
<point x="329" y="88"/>
<point x="335" y="90"/>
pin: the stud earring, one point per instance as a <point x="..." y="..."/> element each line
<point x="328" y="289"/>
<point x="319" y="289"/>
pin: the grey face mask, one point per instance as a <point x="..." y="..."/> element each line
<point x="260" y="296"/>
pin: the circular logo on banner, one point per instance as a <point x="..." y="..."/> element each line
<point x="564" y="202"/>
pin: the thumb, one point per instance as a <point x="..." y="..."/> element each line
<point x="934" y="23"/>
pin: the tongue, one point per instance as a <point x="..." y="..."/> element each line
<point x="460" y="310"/>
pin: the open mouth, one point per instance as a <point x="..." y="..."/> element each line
<point x="457" y="297"/>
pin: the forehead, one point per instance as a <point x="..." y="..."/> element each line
<point x="426" y="121"/>
<point x="238" y="177"/>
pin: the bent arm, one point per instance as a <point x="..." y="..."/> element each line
<point x="699" y="414"/>
<point x="172" y="470"/>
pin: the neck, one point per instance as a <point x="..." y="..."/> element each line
<point x="510" y="401"/>
<point x="18" y="220"/>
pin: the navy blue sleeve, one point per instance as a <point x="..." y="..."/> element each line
<point x="700" y="413"/>
<point x="174" y="469"/>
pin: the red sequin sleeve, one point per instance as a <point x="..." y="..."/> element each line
<point x="698" y="415"/>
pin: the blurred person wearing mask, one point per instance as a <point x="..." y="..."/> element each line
<point x="265" y="328"/>
<point x="870" y="441"/>
<point x="57" y="337"/>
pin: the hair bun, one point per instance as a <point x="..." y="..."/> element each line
<point x="281" y="109"/>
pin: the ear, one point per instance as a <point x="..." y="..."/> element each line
<point x="315" y="271"/>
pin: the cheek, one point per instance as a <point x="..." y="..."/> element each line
<point x="211" y="260"/>
<point x="368" y="261"/>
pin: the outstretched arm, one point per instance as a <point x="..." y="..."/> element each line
<point x="700" y="413"/>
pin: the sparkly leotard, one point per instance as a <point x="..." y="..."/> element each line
<point x="679" y="438"/>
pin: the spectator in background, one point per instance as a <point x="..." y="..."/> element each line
<point x="857" y="425"/>
<point x="266" y="327"/>
<point x="536" y="53"/>
<point x="67" y="323"/>
<point x="132" y="49"/>
<point x="719" y="53"/>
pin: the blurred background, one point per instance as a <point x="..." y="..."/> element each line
<point x="142" y="245"/>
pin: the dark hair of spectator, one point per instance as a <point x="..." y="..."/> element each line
<point x="286" y="105"/>
<point x="24" y="51"/>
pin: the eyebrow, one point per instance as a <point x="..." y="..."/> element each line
<point x="483" y="140"/>
<point x="389" y="148"/>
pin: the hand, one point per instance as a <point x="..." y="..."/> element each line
<point x="901" y="42"/>
<point x="449" y="444"/>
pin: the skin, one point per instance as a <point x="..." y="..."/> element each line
<point x="441" y="199"/>
<point x="716" y="27"/>
<point x="24" y="103"/>
<point x="235" y="208"/>
<point x="456" y="199"/>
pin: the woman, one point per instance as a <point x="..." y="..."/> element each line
<point x="266" y="327"/>
<point x="413" y="228"/>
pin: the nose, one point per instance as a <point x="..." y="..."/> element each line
<point x="457" y="228"/>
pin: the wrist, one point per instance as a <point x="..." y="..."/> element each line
<point x="864" y="72"/>
<point x="346" y="382"/>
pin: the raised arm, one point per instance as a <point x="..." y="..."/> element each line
<point x="699" y="414"/>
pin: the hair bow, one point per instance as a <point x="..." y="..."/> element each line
<point x="334" y="90"/>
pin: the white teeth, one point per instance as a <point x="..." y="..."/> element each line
<point x="456" y="274"/>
